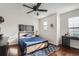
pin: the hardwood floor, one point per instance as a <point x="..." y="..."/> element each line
<point x="14" y="50"/>
<point x="64" y="51"/>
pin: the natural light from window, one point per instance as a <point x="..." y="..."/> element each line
<point x="45" y="25"/>
<point x="73" y="25"/>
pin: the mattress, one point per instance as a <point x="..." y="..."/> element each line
<point x="31" y="41"/>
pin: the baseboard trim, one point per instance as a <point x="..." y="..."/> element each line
<point x="56" y="45"/>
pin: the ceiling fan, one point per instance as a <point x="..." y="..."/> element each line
<point x="35" y="8"/>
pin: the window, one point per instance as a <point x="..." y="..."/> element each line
<point x="73" y="24"/>
<point x="45" y="25"/>
<point x="26" y="27"/>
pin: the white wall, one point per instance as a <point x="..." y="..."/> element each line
<point x="64" y="25"/>
<point x="13" y="16"/>
<point x="58" y="29"/>
<point x="51" y="34"/>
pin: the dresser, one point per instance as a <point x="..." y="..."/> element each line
<point x="3" y="46"/>
<point x="65" y="41"/>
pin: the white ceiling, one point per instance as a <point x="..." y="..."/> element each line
<point x="56" y="7"/>
<point x="51" y="7"/>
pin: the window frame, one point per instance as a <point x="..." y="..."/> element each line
<point x="73" y="27"/>
<point x="45" y="25"/>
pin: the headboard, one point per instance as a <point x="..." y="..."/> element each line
<point x="25" y="29"/>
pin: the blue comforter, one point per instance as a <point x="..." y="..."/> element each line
<point x="25" y="42"/>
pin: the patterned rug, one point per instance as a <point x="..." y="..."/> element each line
<point x="44" y="52"/>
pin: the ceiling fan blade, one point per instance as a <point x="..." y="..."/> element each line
<point x="38" y="5"/>
<point x="42" y="10"/>
<point x="30" y="11"/>
<point x="27" y="6"/>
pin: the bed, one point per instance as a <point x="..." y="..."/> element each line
<point x="30" y="44"/>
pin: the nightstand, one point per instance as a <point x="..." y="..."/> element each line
<point x="36" y="35"/>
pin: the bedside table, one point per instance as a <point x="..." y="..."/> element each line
<point x="36" y="35"/>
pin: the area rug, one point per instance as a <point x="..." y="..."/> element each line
<point x="44" y="52"/>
